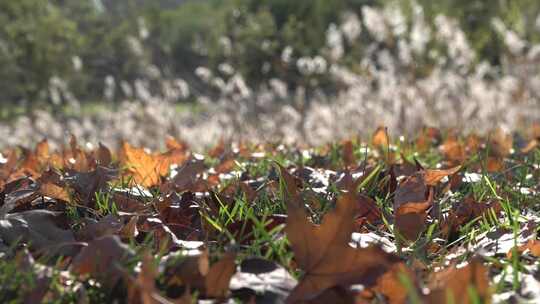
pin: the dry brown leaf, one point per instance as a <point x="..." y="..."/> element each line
<point x="127" y="202"/>
<point x="76" y="159"/>
<point x="188" y="271"/>
<point x="173" y="144"/>
<point x="411" y="201"/>
<point x="86" y="184"/>
<point x="494" y="164"/>
<point x="413" y="197"/>
<point x="454" y="284"/>
<point x="390" y="284"/>
<point x="130" y="228"/>
<point x="500" y="143"/>
<point x="42" y="152"/>
<point x="187" y="175"/>
<point x="107" y="225"/>
<point x="142" y="290"/>
<point x="472" y="143"/>
<point x="54" y="191"/>
<point x="348" y="153"/>
<point x="323" y="252"/>
<point x="101" y="259"/>
<point x="219" y="276"/>
<point x="427" y="138"/>
<point x="453" y="150"/>
<point x="103" y="155"/>
<point x="413" y="189"/>
<point x="38" y="229"/>
<point x="532" y="246"/>
<point x="433" y="177"/>
<point x="226" y="165"/>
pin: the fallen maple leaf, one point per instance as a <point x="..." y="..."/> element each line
<point x="323" y="252"/>
<point x="38" y="229"/>
<point x="186" y="269"/>
<point x="411" y="200"/>
<point x="103" y="155"/>
<point x="380" y="138"/>
<point x="142" y="290"/>
<point x="453" y="150"/>
<point x="54" y="191"/>
<point x="86" y="184"/>
<point x="533" y="246"/>
<point x="219" y="276"/>
<point x="130" y="228"/>
<point x="187" y="175"/>
<point x="147" y="169"/>
<point x="391" y="285"/>
<point x="107" y="225"/>
<point x="433" y="177"/>
<point x="453" y="285"/>
<point x="99" y="259"/>
<point x="348" y="153"/>
<point x="500" y="143"/>
<point x="76" y="159"/>
<point x="413" y="197"/>
<point x="142" y="166"/>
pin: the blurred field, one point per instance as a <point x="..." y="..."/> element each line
<point x="303" y="71"/>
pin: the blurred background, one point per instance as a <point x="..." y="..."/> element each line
<point x="302" y="71"/>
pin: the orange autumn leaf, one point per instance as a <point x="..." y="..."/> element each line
<point x="472" y="143"/>
<point x="226" y="165"/>
<point x="168" y="158"/>
<point x="427" y="138"/>
<point x="42" y="151"/>
<point x="391" y="286"/>
<point x="532" y="246"/>
<point x="500" y="143"/>
<point x="433" y="177"/>
<point x="453" y="150"/>
<point x="76" y="158"/>
<point x="494" y="164"/>
<point x="173" y="144"/>
<point x="380" y="138"/>
<point x="146" y="168"/>
<point x="142" y="166"/>
<point x="531" y="146"/>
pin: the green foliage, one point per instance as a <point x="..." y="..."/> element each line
<point x="476" y="17"/>
<point x="36" y="43"/>
<point x="40" y="39"/>
<point x="182" y="37"/>
<point x="260" y="30"/>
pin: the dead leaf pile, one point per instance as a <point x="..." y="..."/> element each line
<point x="349" y="222"/>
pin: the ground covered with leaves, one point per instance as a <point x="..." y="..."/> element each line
<point x="439" y="218"/>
